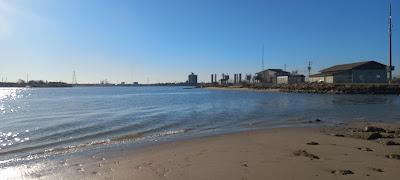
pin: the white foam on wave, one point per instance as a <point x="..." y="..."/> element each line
<point x="164" y="133"/>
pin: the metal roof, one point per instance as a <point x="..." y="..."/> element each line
<point x="344" y="67"/>
<point x="275" y="70"/>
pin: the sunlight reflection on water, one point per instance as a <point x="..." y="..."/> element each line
<point x="7" y="95"/>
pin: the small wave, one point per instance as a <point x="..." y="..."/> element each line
<point x="141" y="136"/>
<point x="73" y="148"/>
<point x="118" y="139"/>
<point x="127" y="137"/>
<point x="168" y="133"/>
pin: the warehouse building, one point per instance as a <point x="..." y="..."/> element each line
<point x="270" y="75"/>
<point x="359" y="72"/>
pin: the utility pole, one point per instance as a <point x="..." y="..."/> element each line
<point x="309" y="69"/>
<point x="390" y="68"/>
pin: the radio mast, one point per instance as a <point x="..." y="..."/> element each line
<point x="74" y="79"/>
<point x="390" y="68"/>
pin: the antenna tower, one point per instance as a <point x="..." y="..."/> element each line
<point x="390" y="68"/>
<point x="74" y="78"/>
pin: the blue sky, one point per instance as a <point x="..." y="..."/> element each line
<point x="165" y="40"/>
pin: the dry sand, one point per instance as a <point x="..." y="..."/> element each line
<point x="264" y="154"/>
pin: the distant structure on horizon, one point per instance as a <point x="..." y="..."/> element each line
<point x="192" y="79"/>
<point x="74" y="81"/>
<point x="214" y="79"/>
<point x="359" y="72"/>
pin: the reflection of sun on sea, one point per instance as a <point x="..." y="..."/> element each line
<point x="11" y="173"/>
<point x="21" y="172"/>
<point x="7" y="94"/>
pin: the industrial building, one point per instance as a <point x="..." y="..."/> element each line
<point x="192" y="80"/>
<point x="359" y="72"/>
<point x="291" y="79"/>
<point x="270" y="75"/>
<point x="278" y="76"/>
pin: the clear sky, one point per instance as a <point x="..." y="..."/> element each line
<point x="165" y="40"/>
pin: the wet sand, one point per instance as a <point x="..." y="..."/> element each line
<point x="282" y="153"/>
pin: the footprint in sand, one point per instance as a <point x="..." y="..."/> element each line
<point x="364" y="149"/>
<point x="305" y="154"/>
<point x="312" y="143"/>
<point x="244" y="164"/>
<point x="377" y="170"/>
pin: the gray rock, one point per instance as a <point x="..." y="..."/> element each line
<point x="373" y="129"/>
<point x="374" y="136"/>
<point x="393" y="156"/>
<point x="392" y="143"/>
<point x="343" y="172"/>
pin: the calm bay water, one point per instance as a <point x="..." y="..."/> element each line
<point x="35" y="123"/>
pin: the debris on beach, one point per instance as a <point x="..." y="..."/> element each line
<point x="368" y="132"/>
<point x="377" y="170"/>
<point x="305" y="154"/>
<point x="338" y="135"/>
<point x="312" y="143"/>
<point x="342" y="172"/>
<point x="393" y="156"/>
<point x="364" y="149"/>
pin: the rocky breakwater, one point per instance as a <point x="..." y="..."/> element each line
<point x="325" y="88"/>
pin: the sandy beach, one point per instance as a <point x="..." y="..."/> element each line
<point x="281" y="153"/>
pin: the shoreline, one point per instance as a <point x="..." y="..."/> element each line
<point x="276" y="153"/>
<point x="318" y="88"/>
